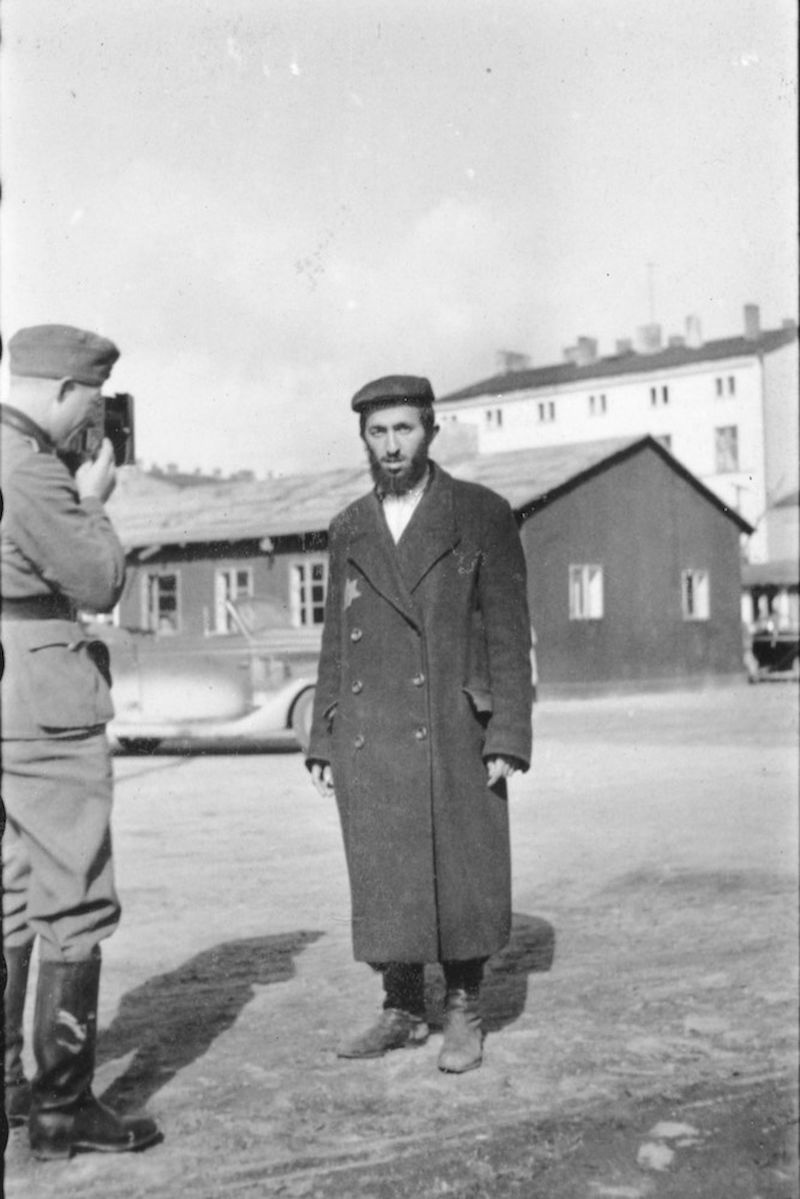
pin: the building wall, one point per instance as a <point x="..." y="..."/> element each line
<point x="644" y="525"/>
<point x="783" y="531"/>
<point x="197" y="569"/>
<point x="638" y="519"/>
<point x="693" y="412"/>
<point x="782" y="437"/>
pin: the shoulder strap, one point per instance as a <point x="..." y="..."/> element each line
<point x="28" y="428"/>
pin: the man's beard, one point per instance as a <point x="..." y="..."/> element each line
<point x="404" y="481"/>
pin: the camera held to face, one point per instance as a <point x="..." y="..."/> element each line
<point x="112" y="417"/>
<point x="118" y="427"/>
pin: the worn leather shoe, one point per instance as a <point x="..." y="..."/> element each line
<point x="394" y="1029"/>
<point x="463" y="1039"/>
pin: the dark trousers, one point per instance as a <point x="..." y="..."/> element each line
<point x="404" y="982"/>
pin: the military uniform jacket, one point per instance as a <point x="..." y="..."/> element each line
<point x="58" y="553"/>
<point x="424" y="673"/>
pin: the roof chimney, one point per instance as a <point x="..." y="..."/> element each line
<point x="648" y="339"/>
<point x="584" y="353"/>
<point x="752" y="322"/>
<point x="510" y="360"/>
<point x="694" y="336"/>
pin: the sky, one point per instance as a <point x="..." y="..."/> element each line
<point x="267" y="203"/>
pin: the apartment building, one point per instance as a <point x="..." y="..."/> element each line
<point x="726" y="409"/>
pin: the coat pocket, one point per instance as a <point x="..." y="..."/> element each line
<point x="329" y="714"/>
<point x="69" y="685"/>
<point x="481" y="702"/>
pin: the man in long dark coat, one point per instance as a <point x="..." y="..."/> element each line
<point x="422" y="712"/>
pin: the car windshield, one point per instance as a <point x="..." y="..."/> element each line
<point x="257" y="615"/>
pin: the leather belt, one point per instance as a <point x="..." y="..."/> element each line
<point x="37" y="607"/>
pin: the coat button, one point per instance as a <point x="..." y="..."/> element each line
<point x="357" y="687"/>
<point x="418" y="679"/>
<point x="359" y="741"/>
<point x="356" y="634"/>
<point x="421" y="733"/>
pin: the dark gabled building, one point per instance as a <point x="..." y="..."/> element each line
<point x="634" y="564"/>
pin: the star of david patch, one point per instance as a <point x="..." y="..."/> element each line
<point x="351" y="592"/>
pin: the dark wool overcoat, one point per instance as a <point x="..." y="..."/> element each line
<point x="424" y="673"/>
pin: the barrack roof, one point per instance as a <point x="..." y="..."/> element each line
<point x="299" y="505"/>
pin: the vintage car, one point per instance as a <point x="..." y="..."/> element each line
<point x="251" y="689"/>
<point x="774" y="650"/>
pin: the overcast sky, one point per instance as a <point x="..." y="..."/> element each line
<point x="267" y="203"/>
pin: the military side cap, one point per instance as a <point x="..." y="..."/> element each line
<point x="61" y="352"/>
<point x="393" y="389"/>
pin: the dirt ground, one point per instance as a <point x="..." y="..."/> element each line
<point x="641" y="1025"/>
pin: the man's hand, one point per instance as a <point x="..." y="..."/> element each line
<point x="98" y="478"/>
<point x="500" y="768"/>
<point x="322" y="778"/>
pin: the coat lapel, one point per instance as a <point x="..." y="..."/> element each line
<point x="372" y="550"/>
<point x="431" y="533"/>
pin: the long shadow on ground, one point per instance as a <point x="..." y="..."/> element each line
<point x="173" y="1018"/>
<point x="530" y="950"/>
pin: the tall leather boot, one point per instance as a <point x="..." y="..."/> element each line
<point x="462" y="1049"/>
<point x="401" y="1024"/>
<point x="17" y="1087"/>
<point x="65" y="1116"/>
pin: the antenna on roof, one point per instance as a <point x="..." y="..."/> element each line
<point x="651" y="291"/>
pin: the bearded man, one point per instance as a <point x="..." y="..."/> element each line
<point x="422" y="713"/>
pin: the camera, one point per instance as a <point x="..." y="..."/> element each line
<point x="112" y="418"/>
<point x="118" y="427"/>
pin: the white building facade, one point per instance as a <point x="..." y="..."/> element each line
<point x="727" y="409"/>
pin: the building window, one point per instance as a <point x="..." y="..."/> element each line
<point x="695" y="594"/>
<point x="494" y="417"/>
<point x="308" y="585"/>
<point x="726" y="449"/>
<point x="720" y="385"/>
<point x="232" y="583"/>
<point x="597" y="405"/>
<point x="585" y="592"/>
<point x="161" y="602"/>
<point x="731" y="385"/>
<point x="547" y="411"/>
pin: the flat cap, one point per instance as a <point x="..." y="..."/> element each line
<point x="393" y="389"/>
<point x="61" y="352"/>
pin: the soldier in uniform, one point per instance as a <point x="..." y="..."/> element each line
<point x="60" y="554"/>
<point x="422" y="712"/>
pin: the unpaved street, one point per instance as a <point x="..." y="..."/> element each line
<point x="641" y="1024"/>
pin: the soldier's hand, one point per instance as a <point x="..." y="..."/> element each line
<point x="98" y="478"/>
<point x="322" y="777"/>
<point x="499" y="768"/>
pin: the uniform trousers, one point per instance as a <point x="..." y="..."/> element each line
<point x="58" y="872"/>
